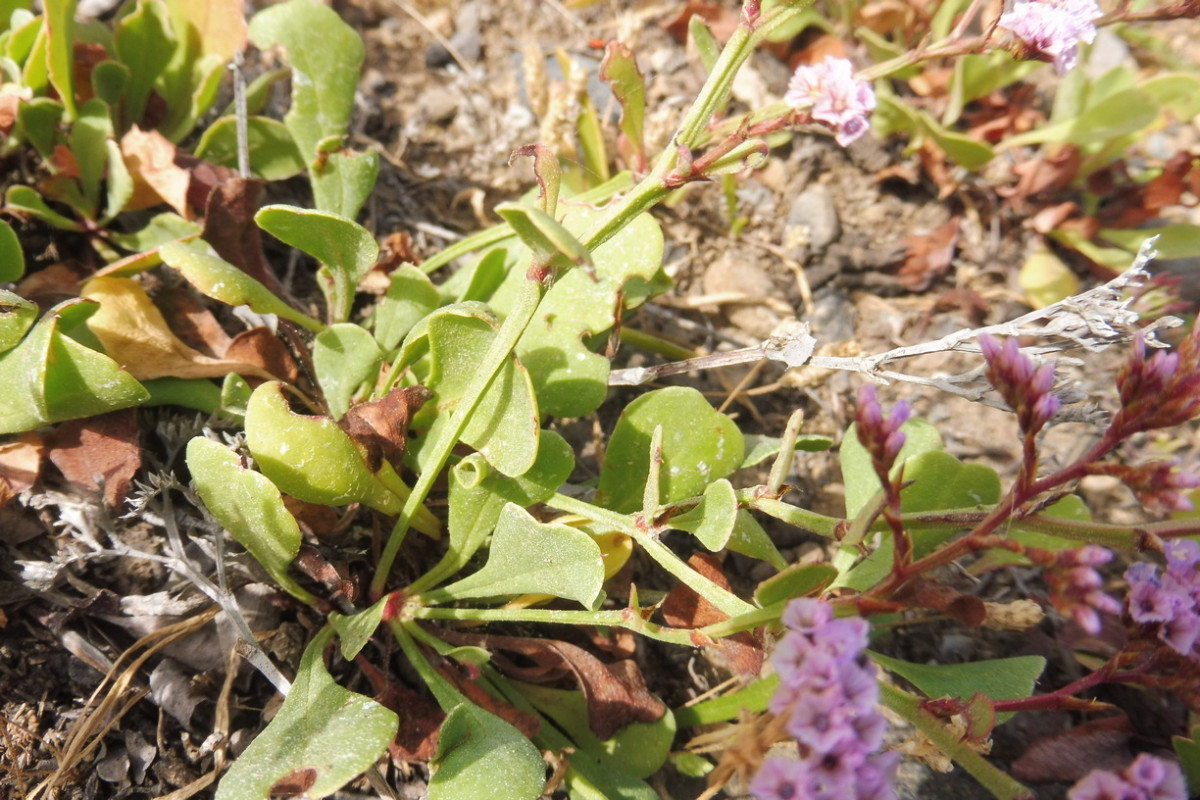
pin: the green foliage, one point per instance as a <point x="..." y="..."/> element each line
<point x="322" y="733"/>
<point x="50" y="377"/>
<point x="249" y="507"/>
<point x="480" y="755"/>
<point x="326" y="57"/>
<point x="999" y="679"/>
<point x="505" y="347"/>
<point x="345" y="249"/>
<point x="699" y="445"/>
<point x="530" y="557"/>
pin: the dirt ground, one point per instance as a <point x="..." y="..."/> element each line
<point x="823" y="239"/>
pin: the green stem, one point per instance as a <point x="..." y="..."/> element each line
<point x="447" y="696"/>
<point x="724" y="600"/>
<point x="785" y="512"/>
<point x="991" y="777"/>
<point x="653" y="188"/>
<point x="506" y="339"/>
<point x="497" y="233"/>
<point x="623" y="618"/>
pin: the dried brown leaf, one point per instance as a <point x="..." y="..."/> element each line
<point x="929" y="255"/>
<point x="741" y="653"/>
<point x="1099" y="744"/>
<point x="94" y="449"/>
<point x="381" y="426"/>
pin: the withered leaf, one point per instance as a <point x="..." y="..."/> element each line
<point x="381" y="426"/>
<point x="928" y="255"/>
<point x="20" y="463"/>
<point x="1099" y="744"/>
<point x="615" y="692"/>
<point x="741" y="653"/>
<point x="101" y="448"/>
<point x="230" y="228"/>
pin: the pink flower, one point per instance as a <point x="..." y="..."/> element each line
<point x="1053" y="29"/>
<point x="1147" y="778"/>
<point x="837" y="100"/>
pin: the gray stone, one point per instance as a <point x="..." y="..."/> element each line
<point x="812" y="222"/>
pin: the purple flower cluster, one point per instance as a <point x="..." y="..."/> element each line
<point x="1170" y="602"/>
<point x="827" y="696"/>
<point x="1160" y="485"/>
<point x="1053" y="29"/>
<point x="1161" y="391"/>
<point x="836" y="98"/>
<point x="1147" y="778"/>
<point x="880" y="435"/>
<point x="1024" y="387"/>
<point x="1075" y="586"/>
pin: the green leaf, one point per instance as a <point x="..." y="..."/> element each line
<point x="1178" y="240"/>
<point x="37" y="123"/>
<point x="504" y="425"/>
<point x="89" y="135"/>
<point x="273" y="153"/>
<point x="939" y="481"/>
<point x="16" y="316"/>
<point x="12" y="257"/>
<point x="344" y="357"/>
<point x="552" y="244"/>
<point x="145" y="43"/>
<point x="1128" y="111"/>
<point x="310" y="458"/>
<point x="482" y="757"/>
<point x="998" y="679"/>
<point x="1188" y="751"/>
<point x="345" y="248"/>
<point x="410" y="298"/>
<point x="50" y="377"/>
<point x="750" y="539"/>
<point x="326" y="56"/>
<point x="478" y="494"/>
<point x="235" y="397"/>
<point x="322" y="732"/>
<point x="531" y="557"/>
<point x="26" y="200"/>
<point x="639" y="749"/>
<point x="569" y="379"/>
<point x="859" y="476"/>
<point x="619" y="68"/>
<point x="356" y="630"/>
<point x="120" y="184"/>
<point x="1177" y="92"/>
<point x="713" y="518"/>
<point x="1046" y="279"/>
<point x="220" y="280"/>
<point x="796" y="580"/>
<point x="752" y="698"/>
<point x="760" y="447"/>
<point x="699" y="445"/>
<point x="199" y="394"/>
<point x="249" y="507"/>
<point x="705" y="43"/>
<point x="60" y="50"/>
<point x="344" y="180"/>
<point x="162" y="228"/>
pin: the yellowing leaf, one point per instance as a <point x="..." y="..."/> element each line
<point x="136" y="335"/>
<point x="1045" y="279"/>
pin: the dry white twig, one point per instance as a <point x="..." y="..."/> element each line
<point x="1093" y="320"/>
